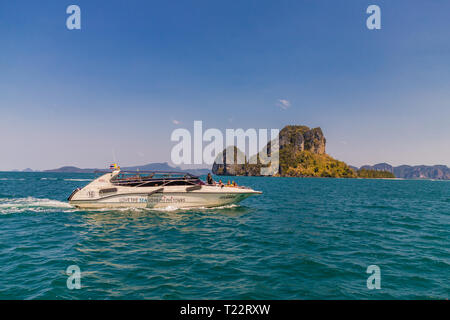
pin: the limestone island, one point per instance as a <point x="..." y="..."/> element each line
<point x="301" y="154"/>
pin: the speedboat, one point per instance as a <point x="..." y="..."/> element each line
<point x="155" y="189"/>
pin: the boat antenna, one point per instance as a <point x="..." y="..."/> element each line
<point x="114" y="155"/>
<point x="114" y="165"/>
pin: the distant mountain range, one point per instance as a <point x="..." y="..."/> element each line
<point x="440" y="172"/>
<point x="164" y="166"/>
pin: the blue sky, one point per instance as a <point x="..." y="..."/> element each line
<point x="136" y="67"/>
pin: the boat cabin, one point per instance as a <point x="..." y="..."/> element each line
<point x="154" y="179"/>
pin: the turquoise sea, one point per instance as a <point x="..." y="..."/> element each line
<point x="301" y="239"/>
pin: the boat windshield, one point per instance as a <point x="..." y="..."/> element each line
<point x="154" y="178"/>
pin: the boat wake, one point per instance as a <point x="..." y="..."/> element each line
<point x="31" y="204"/>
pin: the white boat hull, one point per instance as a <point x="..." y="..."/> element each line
<point x="163" y="200"/>
<point x="101" y="193"/>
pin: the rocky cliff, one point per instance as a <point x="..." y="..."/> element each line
<point x="302" y="138"/>
<point x="225" y="167"/>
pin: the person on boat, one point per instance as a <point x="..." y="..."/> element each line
<point x="220" y="183"/>
<point x="234" y="184"/>
<point x="209" y="179"/>
<point x="228" y="183"/>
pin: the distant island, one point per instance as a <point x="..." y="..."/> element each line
<point x="437" y="172"/>
<point x="163" y="166"/>
<point x="302" y="153"/>
<point x="374" y="174"/>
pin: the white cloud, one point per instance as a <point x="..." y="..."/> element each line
<point x="176" y="121"/>
<point x="283" y="104"/>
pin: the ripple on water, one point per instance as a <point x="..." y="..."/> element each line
<point x="301" y="239"/>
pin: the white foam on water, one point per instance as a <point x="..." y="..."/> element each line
<point x="167" y="209"/>
<point x="228" y="206"/>
<point x="77" y="179"/>
<point x="17" y="205"/>
<point x="171" y="208"/>
<point x="12" y="179"/>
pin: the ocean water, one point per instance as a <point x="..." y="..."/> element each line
<point x="301" y="239"/>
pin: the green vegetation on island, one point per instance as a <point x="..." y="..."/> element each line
<point x="308" y="164"/>
<point x="375" y="174"/>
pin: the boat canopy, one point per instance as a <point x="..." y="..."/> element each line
<point x="154" y="178"/>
